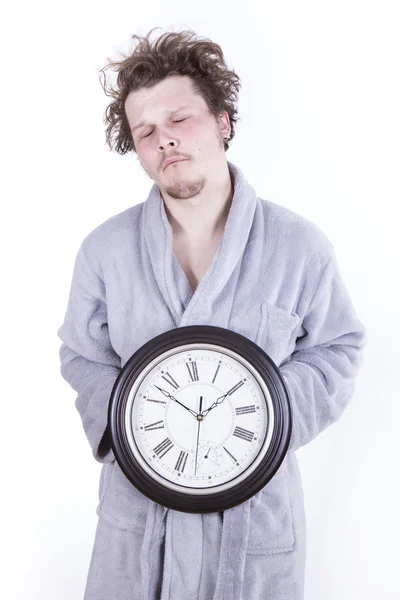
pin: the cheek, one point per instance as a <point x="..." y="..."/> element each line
<point x="196" y="136"/>
<point x="145" y="154"/>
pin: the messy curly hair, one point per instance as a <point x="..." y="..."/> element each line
<point x="171" y="54"/>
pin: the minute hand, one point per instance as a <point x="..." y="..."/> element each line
<point x="194" y="413"/>
<point x="214" y="404"/>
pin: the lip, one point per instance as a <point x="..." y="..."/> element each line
<point x="172" y="160"/>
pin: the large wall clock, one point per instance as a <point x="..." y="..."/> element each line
<point x="199" y="419"/>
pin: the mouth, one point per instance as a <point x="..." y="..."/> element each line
<point x="175" y="161"/>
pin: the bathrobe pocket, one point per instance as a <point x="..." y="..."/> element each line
<point x="277" y="332"/>
<point x="271" y="518"/>
<point x="121" y="503"/>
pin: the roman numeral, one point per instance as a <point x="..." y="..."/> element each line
<point x="216" y="372"/>
<point x="154" y="426"/>
<point x="181" y="462"/>
<point x="231" y="455"/>
<point x="235" y="388"/>
<point x="192" y="368"/>
<point x="163" y="448"/>
<point x="244" y="434"/>
<point x="169" y="379"/>
<point x="243" y="410"/>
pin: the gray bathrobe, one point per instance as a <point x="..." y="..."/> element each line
<point x="274" y="279"/>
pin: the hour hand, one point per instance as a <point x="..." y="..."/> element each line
<point x="214" y="404"/>
<point x="193" y="412"/>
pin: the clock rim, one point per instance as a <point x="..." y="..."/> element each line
<point x="261" y="362"/>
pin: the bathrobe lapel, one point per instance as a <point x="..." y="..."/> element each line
<point x="220" y="280"/>
<point x="210" y="304"/>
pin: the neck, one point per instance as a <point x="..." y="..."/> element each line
<point x="201" y="217"/>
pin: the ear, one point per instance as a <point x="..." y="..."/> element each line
<point x="224" y="124"/>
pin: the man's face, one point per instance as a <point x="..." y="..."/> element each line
<point x="190" y="132"/>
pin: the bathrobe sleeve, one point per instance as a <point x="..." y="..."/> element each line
<point x="88" y="361"/>
<point x="320" y="373"/>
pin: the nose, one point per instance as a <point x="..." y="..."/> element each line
<point x="162" y="146"/>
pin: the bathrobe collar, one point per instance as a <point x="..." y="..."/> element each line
<point x="198" y="308"/>
<point x="188" y="308"/>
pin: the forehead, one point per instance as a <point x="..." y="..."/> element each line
<point x="161" y="100"/>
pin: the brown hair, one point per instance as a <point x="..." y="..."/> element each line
<point x="171" y="54"/>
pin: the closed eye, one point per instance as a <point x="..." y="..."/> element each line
<point x="145" y="136"/>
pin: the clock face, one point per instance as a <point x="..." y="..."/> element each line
<point x="199" y="418"/>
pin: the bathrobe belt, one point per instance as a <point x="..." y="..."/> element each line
<point x="185" y="556"/>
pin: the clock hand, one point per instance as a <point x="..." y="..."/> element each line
<point x="198" y="432"/>
<point x="172" y="398"/>
<point x="214" y="404"/>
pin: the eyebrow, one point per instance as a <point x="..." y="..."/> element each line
<point x="172" y="112"/>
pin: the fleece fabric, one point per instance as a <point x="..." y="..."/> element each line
<point x="275" y="279"/>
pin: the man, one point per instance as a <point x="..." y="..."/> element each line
<point x="203" y="249"/>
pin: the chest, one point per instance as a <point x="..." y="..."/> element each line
<point x="138" y="310"/>
<point x="195" y="258"/>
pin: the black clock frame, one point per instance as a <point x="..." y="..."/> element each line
<point x="215" y="501"/>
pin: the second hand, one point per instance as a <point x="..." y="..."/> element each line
<point x="198" y="431"/>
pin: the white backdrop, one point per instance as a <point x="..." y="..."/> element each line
<point x="319" y="134"/>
